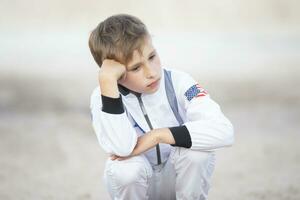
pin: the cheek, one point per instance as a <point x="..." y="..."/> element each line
<point x="157" y="60"/>
<point x="157" y="65"/>
<point x="132" y="79"/>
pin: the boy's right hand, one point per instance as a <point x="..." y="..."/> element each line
<point x="109" y="74"/>
<point x="112" y="70"/>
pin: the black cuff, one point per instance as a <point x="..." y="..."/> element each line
<point x="112" y="105"/>
<point x="182" y="136"/>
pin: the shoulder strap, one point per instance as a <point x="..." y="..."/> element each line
<point x="172" y="96"/>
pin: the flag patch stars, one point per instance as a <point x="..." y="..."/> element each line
<point x="195" y="91"/>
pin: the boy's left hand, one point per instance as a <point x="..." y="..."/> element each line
<point x="115" y="157"/>
<point x="147" y="141"/>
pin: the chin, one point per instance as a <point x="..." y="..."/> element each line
<point x="151" y="91"/>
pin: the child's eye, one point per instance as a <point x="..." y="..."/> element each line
<point x="136" y="68"/>
<point x="152" y="57"/>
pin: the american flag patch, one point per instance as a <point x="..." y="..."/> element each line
<point x="195" y="91"/>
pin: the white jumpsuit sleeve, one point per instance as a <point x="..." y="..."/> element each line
<point x="207" y="126"/>
<point x="115" y="133"/>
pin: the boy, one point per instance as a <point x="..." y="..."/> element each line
<point x="159" y="126"/>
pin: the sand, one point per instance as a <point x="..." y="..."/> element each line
<point x="48" y="149"/>
<point x="245" y="53"/>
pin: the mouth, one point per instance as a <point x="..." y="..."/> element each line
<point x="154" y="83"/>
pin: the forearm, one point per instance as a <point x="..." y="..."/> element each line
<point x="119" y="140"/>
<point x="109" y="86"/>
<point x="151" y="139"/>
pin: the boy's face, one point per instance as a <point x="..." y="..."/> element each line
<point x="143" y="71"/>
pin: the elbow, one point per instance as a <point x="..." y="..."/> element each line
<point x="229" y="138"/>
<point x="229" y="141"/>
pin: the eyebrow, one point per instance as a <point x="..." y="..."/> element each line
<point x="139" y="63"/>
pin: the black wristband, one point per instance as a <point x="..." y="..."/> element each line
<point x="181" y="136"/>
<point x="112" y="105"/>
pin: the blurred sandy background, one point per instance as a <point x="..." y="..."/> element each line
<point x="245" y="53"/>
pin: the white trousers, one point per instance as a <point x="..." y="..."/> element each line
<point x="185" y="175"/>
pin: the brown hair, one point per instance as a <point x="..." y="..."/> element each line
<point x="117" y="37"/>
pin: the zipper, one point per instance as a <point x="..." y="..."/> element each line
<point x="149" y="124"/>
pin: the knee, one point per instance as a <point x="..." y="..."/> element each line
<point x="126" y="172"/>
<point x="196" y="164"/>
<point x="198" y="158"/>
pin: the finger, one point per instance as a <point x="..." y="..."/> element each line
<point x="123" y="77"/>
<point x="122" y="158"/>
<point x="113" y="157"/>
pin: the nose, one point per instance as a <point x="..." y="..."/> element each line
<point x="150" y="71"/>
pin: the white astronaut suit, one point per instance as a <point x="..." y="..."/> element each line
<point x="179" y="171"/>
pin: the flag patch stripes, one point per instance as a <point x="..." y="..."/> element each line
<point x="195" y="91"/>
